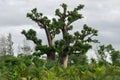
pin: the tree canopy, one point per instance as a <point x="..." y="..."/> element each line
<point x="62" y="23"/>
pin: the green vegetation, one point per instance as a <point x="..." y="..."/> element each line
<point x="33" y="68"/>
<point x="66" y="57"/>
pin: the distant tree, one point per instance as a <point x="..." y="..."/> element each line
<point x="3" y="46"/>
<point x="104" y="51"/>
<point x="9" y="44"/>
<point x="69" y="44"/>
<point x="6" y="45"/>
<point x="115" y="55"/>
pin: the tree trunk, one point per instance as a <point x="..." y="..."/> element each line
<point x="49" y="38"/>
<point x="65" y="62"/>
<point x="65" y="58"/>
<point x="51" y="54"/>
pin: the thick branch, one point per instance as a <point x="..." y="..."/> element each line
<point x="48" y="36"/>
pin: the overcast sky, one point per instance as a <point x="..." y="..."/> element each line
<point x="103" y="15"/>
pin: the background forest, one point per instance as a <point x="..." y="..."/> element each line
<point x="61" y="59"/>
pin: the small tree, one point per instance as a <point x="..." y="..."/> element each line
<point x="69" y="44"/>
<point x="114" y="54"/>
<point x="103" y="52"/>
<point x="115" y="57"/>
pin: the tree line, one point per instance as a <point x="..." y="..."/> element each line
<point x="6" y="46"/>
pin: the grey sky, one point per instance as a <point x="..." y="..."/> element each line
<point x="103" y="15"/>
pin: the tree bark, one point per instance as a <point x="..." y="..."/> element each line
<point x="65" y="62"/>
<point x="50" y="54"/>
<point x="65" y="57"/>
<point x="50" y="43"/>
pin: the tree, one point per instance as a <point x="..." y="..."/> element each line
<point x="44" y="23"/>
<point x="104" y="51"/>
<point x="10" y="44"/>
<point x="102" y="54"/>
<point x="114" y="54"/>
<point x="6" y="44"/>
<point x="3" y="46"/>
<point x="69" y="44"/>
<point x="78" y="44"/>
<point x="115" y="57"/>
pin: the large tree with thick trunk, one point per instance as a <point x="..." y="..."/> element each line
<point x="77" y="43"/>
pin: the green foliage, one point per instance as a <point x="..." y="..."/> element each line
<point x="31" y="35"/>
<point x="77" y="59"/>
<point x="34" y="68"/>
<point x="86" y="34"/>
<point x="101" y="54"/>
<point x="103" y="51"/>
<point x="115" y="57"/>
